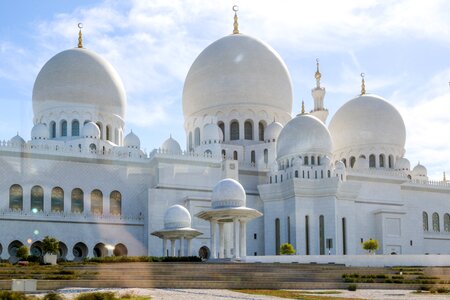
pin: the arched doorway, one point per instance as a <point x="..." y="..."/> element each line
<point x="120" y="250"/>
<point x="100" y="250"/>
<point x="80" y="251"/>
<point x="204" y="252"/>
<point x="36" y="249"/>
<point x="62" y="251"/>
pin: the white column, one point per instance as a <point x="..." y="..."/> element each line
<point x="189" y="247"/>
<point x="164" y="247"/>
<point x="212" y="224"/>
<point x="236" y="238"/>
<point x="172" y="246"/>
<point x="182" y="246"/>
<point x="243" y="238"/>
<point x="221" y="241"/>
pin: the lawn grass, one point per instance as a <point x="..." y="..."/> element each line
<point x="303" y="295"/>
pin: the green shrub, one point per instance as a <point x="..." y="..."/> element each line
<point x="96" y="296"/>
<point x="352" y="287"/>
<point x="22" y="253"/>
<point x="53" y="296"/>
<point x="7" y="295"/>
<point x="397" y="277"/>
<point x="287" y="249"/>
<point x="370" y="245"/>
<point x="50" y="245"/>
<point x="33" y="258"/>
<point x="442" y="290"/>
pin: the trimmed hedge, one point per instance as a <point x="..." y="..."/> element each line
<point x="119" y="259"/>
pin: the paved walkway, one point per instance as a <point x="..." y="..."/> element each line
<point x="196" y="294"/>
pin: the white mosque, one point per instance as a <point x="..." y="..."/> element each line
<point x="253" y="175"/>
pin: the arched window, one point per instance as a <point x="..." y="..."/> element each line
<point x="372" y="161"/>
<point x="222" y="127"/>
<point x="37" y="198"/>
<point x="352" y="161"/>
<point x="16" y="197"/>
<point x="75" y="128"/>
<point x="277" y="236"/>
<point x="344" y="161"/>
<point x="63" y="128"/>
<point x="52" y="129"/>
<point x="322" y="234"/>
<point x="436" y="227"/>
<point x="313" y="160"/>
<point x="329" y="173"/>
<point x="425" y="221"/>
<point x="108" y="132"/>
<point x="197" y="136"/>
<point x="289" y="229"/>
<point x="96" y="202"/>
<point x="381" y="158"/>
<point x="208" y="153"/>
<point x="115" y="203"/>
<point x="224" y="153"/>
<point x="234" y="130"/>
<point x="261" y="128"/>
<point x="248" y="130"/>
<point x="235" y="155"/>
<point x="100" y="126"/>
<point x="305" y="161"/>
<point x="190" y="141"/>
<point x="447" y="222"/>
<point x="77" y="201"/>
<point x="391" y="161"/>
<point x="266" y="156"/>
<point x="296" y="173"/>
<point x="252" y="157"/>
<point x="57" y="199"/>
<point x="318" y="160"/>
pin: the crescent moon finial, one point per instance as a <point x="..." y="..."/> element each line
<point x="80" y="36"/>
<point x="235" y="24"/>
<point x="235" y="8"/>
<point x="362" y="75"/>
<point x="363" y="84"/>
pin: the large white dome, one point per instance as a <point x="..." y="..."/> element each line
<point x="237" y="70"/>
<point x="367" y="121"/>
<point x="304" y="134"/>
<point x="79" y="77"/>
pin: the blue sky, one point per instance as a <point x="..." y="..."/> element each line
<point x="403" y="48"/>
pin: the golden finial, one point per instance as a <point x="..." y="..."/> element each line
<point x="303" y="107"/>
<point x="235" y="24"/>
<point x="363" y="84"/>
<point x="80" y="36"/>
<point x="318" y="75"/>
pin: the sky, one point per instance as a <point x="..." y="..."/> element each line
<point x="402" y="46"/>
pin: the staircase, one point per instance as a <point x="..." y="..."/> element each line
<point x="211" y="276"/>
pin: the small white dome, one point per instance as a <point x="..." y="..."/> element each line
<point x="272" y="131"/>
<point x="340" y="165"/>
<point x="304" y="134"/>
<point x="171" y="146"/>
<point x="79" y="76"/>
<point x="367" y="121"/>
<point x="177" y="216"/>
<point x="237" y="70"/>
<point x="228" y="193"/>
<point x="420" y="171"/>
<point x="212" y="132"/>
<point x="17" y="140"/>
<point x="39" y="132"/>
<point x="361" y="163"/>
<point x="132" y="141"/>
<point x="90" y="130"/>
<point x="402" y="164"/>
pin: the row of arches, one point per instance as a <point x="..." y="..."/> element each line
<point x="435" y="223"/>
<point x="304" y="174"/>
<point x="77" y="203"/>
<point x="62" y="130"/>
<point x="232" y="132"/>
<point x="380" y="161"/>
<point x="79" y="251"/>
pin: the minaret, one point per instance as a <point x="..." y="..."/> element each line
<point x="318" y="93"/>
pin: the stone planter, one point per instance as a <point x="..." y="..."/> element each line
<point x="50" y="259"/>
